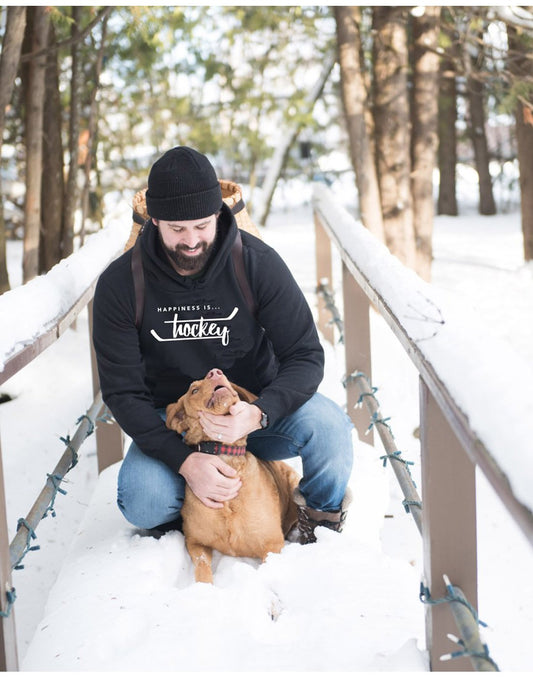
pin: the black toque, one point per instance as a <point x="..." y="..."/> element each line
<point x="182" y="185"/>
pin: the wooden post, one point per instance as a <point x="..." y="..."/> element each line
<point x="109" y="437"/>
<point x="357" y="349"/>
<point x="448" y="527"/>
<point x="323" y="276"/>
<point x="8" y="637"/>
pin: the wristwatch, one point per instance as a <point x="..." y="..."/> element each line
<point x="264" y="419"/>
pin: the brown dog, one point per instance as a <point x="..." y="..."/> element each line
<point x="255" y="522"/>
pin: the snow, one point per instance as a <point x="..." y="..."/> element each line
<point x="122" y="601"/>
<point x="143" y="588"/>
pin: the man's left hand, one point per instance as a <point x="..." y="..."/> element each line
<point x="242" y="419"/>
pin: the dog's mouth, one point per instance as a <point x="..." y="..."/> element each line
<point x="221" y="393"/>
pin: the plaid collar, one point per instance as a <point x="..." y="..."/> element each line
<point x="211" y="447"/>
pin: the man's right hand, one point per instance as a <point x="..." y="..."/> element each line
<point x="211" y="479"/>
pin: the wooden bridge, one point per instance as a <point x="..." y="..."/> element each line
<point x="451" y="449"/>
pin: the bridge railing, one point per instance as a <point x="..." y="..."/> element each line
<point x="84" y="266"/>
<point x="451" y="448"/>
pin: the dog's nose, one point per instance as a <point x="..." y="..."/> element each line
<point x="214" y="373"/>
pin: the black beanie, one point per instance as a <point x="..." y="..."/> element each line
<point x="182" y="185"/>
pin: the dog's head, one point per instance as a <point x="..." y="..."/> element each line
<point x="214" y="393"/>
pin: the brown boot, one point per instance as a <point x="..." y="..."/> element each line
<point x="309" y="518"/>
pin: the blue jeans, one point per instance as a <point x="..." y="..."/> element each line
<point x="151" y="494"/>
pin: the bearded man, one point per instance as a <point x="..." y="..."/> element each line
<point x="195" y="318"/>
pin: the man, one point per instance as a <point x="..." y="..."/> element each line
<point x="195" y="319"/>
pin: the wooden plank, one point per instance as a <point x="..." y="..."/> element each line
<point x="448" y="527"/>
<point x="357" y="349"/>
<point x="323" y="276"/>
<point x="109" y="436"/>
<point x="397" y="463"/>
<point x="8" y="637"/>
<point x="468" y="628"/>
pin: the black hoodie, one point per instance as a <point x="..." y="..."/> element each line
<point x="192" y="324"/>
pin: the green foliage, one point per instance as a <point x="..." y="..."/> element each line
<point x="519" y="90"/>
<point x="223" y="79"/>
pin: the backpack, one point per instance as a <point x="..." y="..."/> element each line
<point x="232" y="196"/>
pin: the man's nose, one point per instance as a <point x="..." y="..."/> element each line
<point x="190" y="239"/>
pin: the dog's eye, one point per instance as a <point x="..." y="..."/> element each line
<point x="195" y="390"/>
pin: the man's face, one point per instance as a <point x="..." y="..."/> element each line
<point x="188" y="243"/>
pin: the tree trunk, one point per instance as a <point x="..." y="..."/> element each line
<point x="447" y="152"/>
<point x="520" y="65"/>
<point x="35" y="92"/>
<point x="9" y="61"/>
<point x="391" y="115"/>
<point x="52" y="185"/>
<point x="71" y="189"/>
<point x="524" y="137"/>
<point x="359" y="121"/>
<point x="92" y="124"/>
<point x="424" y="133"/>
<point x="477" y="132"/>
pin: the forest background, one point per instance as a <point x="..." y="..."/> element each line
<point x="399" y="96"/>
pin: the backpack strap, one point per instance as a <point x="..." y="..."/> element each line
<point x="137" y="272"/>
<point x="137" y="218"/>
<point x="240" y="272"/>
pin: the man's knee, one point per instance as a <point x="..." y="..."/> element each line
<point x="149" y="493"/>
<point x="329" y="451"/>
<point x="147" y="512"/>
<point x="324" y="417"/>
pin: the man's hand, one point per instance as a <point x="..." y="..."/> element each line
<point x="211" y="479"/>
<point x="242" y="419"/>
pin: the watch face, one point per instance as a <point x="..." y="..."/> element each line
<point x="264" y="420"/>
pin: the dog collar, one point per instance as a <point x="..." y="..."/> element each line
<point x="211" y="447"/>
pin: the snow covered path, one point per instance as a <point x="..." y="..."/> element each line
<point x="126" y="602"/>
<point x="349" y="602"/>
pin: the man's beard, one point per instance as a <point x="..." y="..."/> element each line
<point x="187" y="262"/>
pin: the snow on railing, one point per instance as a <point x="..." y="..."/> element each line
<point x="48" y="304"/>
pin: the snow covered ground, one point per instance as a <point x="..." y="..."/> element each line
<point x="349" y="602"/>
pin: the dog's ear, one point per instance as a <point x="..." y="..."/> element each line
<point x="244" y="394"/>
<point x="178" y="420"/>
<point x="176" y="417"/>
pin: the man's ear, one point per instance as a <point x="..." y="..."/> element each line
<point x="244" y="394"/>
<point x="176" y="418"/>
